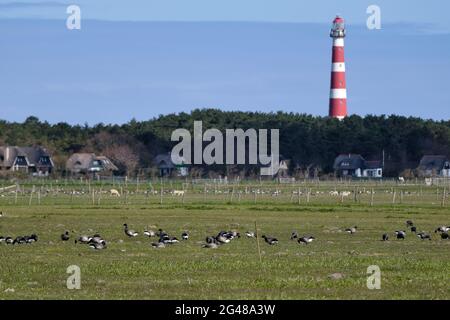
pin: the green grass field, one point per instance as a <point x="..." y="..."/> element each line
<point x="132" y="269"/>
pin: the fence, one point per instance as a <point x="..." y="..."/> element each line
<point x="307" y="192"/>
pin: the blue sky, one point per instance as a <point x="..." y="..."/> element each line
<point x="141" y="58"/>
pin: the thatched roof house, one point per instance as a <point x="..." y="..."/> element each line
<point x="28" y="159"/>
<point x="89" y="163"/>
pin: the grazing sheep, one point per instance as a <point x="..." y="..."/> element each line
<point x="178" y="193"/>
<point x="114" y="192"/>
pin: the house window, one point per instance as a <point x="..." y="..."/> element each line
<point x="44" y="160"/>
<point x="20" y="161"/>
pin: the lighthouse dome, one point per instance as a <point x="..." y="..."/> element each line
<point x="338" y="28"/>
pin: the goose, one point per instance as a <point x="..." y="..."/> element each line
<point x="158" y="245"/>
<point x="173" y="240"/>
<point x="1" y="214"/>
<point x="250" y="234"/>
<point x="294" y="235"/>
<point x="161" y="233"/>
<point x="385" y="237"/>
<point x="210" y="245"/>
<point x="351" y="230"/>
<point x="400" y="234"/>
<point x="235" y="234"/>
<point x="96" y="239"/>
<point x="210" y="239"/>
<point x="422" y="235"/>
<point x="9" y="240"/>
<point x="222" y="238"/>
<point x="444" y="235"/>
<point x="306" y="239"/>
<point x="149" y="233"/>
<point x="31" y="239"/>
<point x="442" y="229"/>
<point x="65" y="236"/>
<point x="413" y="229"/>
<point x="97" y="246"/>
<point x="270" y="240"/>
<point x="128" y="232"/>
<point x="2" y="239"/>
<point x="185" y="235"/>
<point x="83" y="239"/>
<point x="409" y="223"/>
<point x="164" y="238"/>
<point x="19" y="240"/>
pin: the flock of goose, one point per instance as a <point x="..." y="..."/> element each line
<point x="401" y="234"/>
<point x="97" y="242"/>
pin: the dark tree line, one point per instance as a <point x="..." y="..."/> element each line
<point x="308" y="141"/>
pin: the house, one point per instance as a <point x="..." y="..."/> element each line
<point x="354" y="165"/>
<point x="434" y="166"/>
<point x="283" y="168"/>
<point x="166" y="166"/>
<point x="89" y="163"/>
<point x="35" y="160"/>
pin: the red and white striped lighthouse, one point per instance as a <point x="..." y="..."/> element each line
<point x="338" y="90"/>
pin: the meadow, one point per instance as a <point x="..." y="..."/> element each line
<point x="334" y="266"/>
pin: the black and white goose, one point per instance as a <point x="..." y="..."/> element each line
<point x="223" y="237"/>
<point x="130" y="233"/>
<point x="385" y="237"/>
<point x="149" y="233"/>
<point x="400" y="234"/>
<point x="98" y="245"/>
<point x="83" y="239"/>
<point x="158" y="245"/>
<point x="306" y="239"/>
<point x="185" y="235"/>
<point x="413" y="229"/>
<point x="442" y="229"/>
<point x="96" y="238"/>
<point x="294" y="235"/>
<point x="250" y="234"/>
<point x="351" y="230"/>
<point x="173" y="240"/>
<point x="270" y="240"/>
<point x="19" y="240"/>
<point x="32" y="238"/>
<point x="161" y="233"/>
<point x="444" y="235"/>
<point x="234" y="234"/>
<point x="9" y="240"/>
<point x="65" y="236"/>
<point x="2" y="239"/>
<point x="423" y="235"/>
<point x="210" y="239"/>
<point x="409" y="223"/>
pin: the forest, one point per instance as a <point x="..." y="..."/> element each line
<point x="309" y="142"/>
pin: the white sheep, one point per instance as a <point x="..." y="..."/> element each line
<point x="114" y="192"/>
